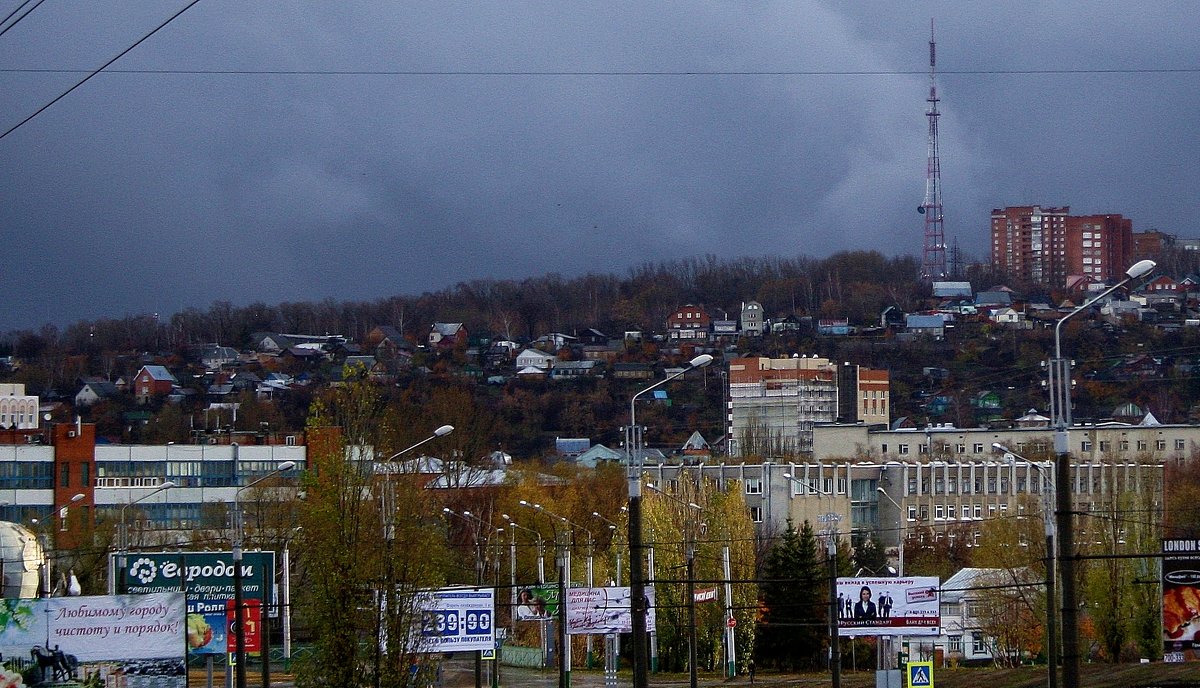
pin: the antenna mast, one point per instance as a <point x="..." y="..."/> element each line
<point x="933" y="255"/>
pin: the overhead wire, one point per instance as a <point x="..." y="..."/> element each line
<point x="18" y="19"/>
<point x="93" y="73"/>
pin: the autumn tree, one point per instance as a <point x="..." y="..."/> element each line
<point x="361" y="592"/>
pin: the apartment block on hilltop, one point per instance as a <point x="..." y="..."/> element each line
<point x="1048" y="245"/>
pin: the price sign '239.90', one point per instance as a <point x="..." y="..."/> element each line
<point x="458" y="619"/>
<point x="453" y="622"/>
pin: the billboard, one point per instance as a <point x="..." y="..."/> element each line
<point x="207" y="581"/>
<point x="603" y="610"/>
<point x="137" y="637"/>
<point x="1181" y="599"/>
<point x="457" y="620"/>
<point x="537" y="602"/>
<point x="889" y="606"/>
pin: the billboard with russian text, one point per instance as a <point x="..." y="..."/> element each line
<point x="70" y="639"/>
<point x="604" y="610"/>
<point x="889" y="606"/>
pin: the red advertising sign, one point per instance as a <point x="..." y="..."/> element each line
<point x="251" y="619"/>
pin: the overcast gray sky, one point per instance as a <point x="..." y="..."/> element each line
<point x="509" y="139"/>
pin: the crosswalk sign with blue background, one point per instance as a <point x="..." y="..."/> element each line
<point x="920" y="675"/>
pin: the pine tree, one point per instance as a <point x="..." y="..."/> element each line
<point x="793" y="607"/>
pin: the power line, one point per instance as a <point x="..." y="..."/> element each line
<point x="84" y="80"/>
<point x="18" y="19"/>
<point x="605" y="73"/>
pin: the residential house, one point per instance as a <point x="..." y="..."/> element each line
<point x="214" y="356"/>
<point x="95" y="391"/>
<point x="986" y="299"/>
<point x="532" y="358"/>
<point x="571" y="369"/>
<point x="571" y="447"/>
<point x="1010" y="318"/>
<point x="976" y="606"/>
<point x="592" y="337"/>
<point x="689" y="323"/>
<point x="598" y="454"/>
<point x="926" y="325"/>
<point x="833" y="327"/>
<point x="725" y="329"/>
<point x="447" y="335"/>
<point x="153" y="381"/>
<point x="752" y="319"/>
<point x="632" y="371"/>
<point x="952" y="290"/>
<point x="554" y="341"/>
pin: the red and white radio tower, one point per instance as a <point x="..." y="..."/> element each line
<point x="933" y="255"/>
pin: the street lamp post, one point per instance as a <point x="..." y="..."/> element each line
<point x="564" y="573"/>
<point x="387" y="514"/>
<point x="239" y="631"/>
<point x="123" y="561"/>
<point x="900" y="538"/>
<point x="1048" y="520"/>
<point x="1060" y="407"/>
<point x="637" y="583"/>
<point x="690" y="545"/>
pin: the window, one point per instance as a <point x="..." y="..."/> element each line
<point x="1141" y="445"/>
<point x="883" y="449"/>
<point x="939" y="512"/>
<point x="977" y="448"/>
<point x="955" y="643"/>
<point x="1160" y="445"/>
<point x="978" y="646"/>
<point x="64" y="475"/>
<point x="756" y="514"/>
<point x="1085" y="446"/>
<point x="951" y="512"/>
<point x="753" y="486"/>
<point x="84" y="475"/>
<point x="912" y="513"/>
<point x="991" y="511"/>
<point x="952" y="486"/>
<point x="903" y="449"/>
<point x="960" y="448"/>
<point x="1180" y="445"/>
<point x="1104" y="445"/>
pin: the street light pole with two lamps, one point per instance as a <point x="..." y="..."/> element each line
<point x="637" y="582"/>
<point x="239" y="614"/>
<point x="1048" y="487"/>
<point x="118" y="583"/>
<point x="1060" y="407"/>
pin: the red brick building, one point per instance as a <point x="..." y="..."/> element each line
<point x="1048" y="245"/>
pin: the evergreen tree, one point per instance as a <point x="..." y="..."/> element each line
<point x="794" y="603"/>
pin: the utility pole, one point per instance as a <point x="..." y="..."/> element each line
<point x="835" y="649"/>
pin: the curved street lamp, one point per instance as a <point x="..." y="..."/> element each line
<point x="637" y="581"/>
<point x="239" y="631"/>
<point x="124" y="558"/>
<point x="1060" y="407"/>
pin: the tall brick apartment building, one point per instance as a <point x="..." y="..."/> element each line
<point x="1047" y="245"/>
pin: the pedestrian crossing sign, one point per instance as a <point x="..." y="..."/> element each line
<point x="920" y="675"/>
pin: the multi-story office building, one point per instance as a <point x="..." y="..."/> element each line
<point x="774" y="403"/>
<point x="41" y="472"/>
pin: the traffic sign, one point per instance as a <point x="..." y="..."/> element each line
<point x="920" y="675"/>
<point x="731" y="622"/>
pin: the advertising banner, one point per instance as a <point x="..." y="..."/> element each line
<point x="73" y="639"/>
<point x="207" y="581"/>
<point x="603" y="610"/>
<point x="1181" y="599"/>
<point x="457" y="620"/>
<point x="537" y="602"/>
<point x="889" y="606"/>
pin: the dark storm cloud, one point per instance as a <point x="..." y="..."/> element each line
<point x="153" y="192"/>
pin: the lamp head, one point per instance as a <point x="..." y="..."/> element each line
<point x="167" y="485"/>
<point x="286" y="466"/>
<point x="443" y="431"/>
<point x="880" y="490"/>
<point x="1140" y="268"/>
<point x="701" y="360"/>
<point x="77" y="497"/>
